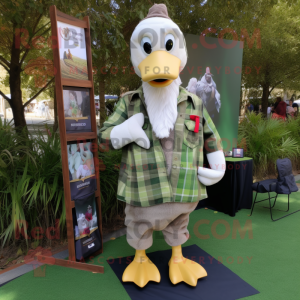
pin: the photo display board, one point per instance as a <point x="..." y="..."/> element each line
<point x="77" y="109"/>
<point x="78" y="134"/>
<point x="86" y="231"/>
<point x="72" y="51"/>
<point x="82" y="174"/>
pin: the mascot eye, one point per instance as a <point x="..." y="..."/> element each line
<point x="146" y="44"/>
<point x="169" y="41"/>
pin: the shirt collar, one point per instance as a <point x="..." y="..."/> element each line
<point x="138" y="92"/>
<point x="184" y="95"/>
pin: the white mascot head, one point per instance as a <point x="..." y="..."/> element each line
<point x="158" y="54"/>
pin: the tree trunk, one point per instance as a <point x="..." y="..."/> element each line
<point x="265" y="99"/>
<point x="102" y="101"/>
<point x="55" y="125"/>
<point x="15" y="89"/>
<point x="241" y="102"/>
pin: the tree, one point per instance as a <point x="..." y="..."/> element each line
<point x="25" y="49"/>
<point x="278" y="58"/>
<point x="189" y="15"/>
<point x="106" y="40"/>
<point x="111" y="24"/>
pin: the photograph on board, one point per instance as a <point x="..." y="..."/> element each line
<point x="72" y="51"/>
<point x="87" y="234"/>
<point x="81" y="161"/>
<point x="77" y="109"/>
<point x="81" y="170"/>
<point x="206" y="89"/>
<point x="86" y="217"/>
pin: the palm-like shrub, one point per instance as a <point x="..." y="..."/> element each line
<point x="109" y="173"/>
<point x="293" y="126"/>
<point x="31" y="183"/>
<point x="267" y="140"/>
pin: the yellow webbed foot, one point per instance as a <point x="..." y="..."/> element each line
<point x="141" y="270"/>
<point x="183" y="269"/>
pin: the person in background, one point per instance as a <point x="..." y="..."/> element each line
<point x="256" y="108"/>
<point x="42" y="109"/>
<point x="250" y="107"/>
<point x="290" y="110"/>
<point x="296" y="108"/>
<point x="280" y="110"/>
<point x="269" y="110"/>
<point x="278" y="99"/>
<point x="47" y="115"/>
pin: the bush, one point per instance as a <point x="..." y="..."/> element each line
<point x="31" y="183"/>
<point x="109" y="174"/>
<point x="269" y="139"/>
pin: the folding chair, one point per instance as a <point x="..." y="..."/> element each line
<point x="284" y="184"/>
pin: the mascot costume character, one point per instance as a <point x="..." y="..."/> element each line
<point x="164" y="132"/>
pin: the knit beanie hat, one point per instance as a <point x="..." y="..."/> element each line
<point x="158" y="10"/>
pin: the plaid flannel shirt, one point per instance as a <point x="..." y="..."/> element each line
<point x="143" y="179"/>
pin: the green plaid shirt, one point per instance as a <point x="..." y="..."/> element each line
<point x="143" y="178"/>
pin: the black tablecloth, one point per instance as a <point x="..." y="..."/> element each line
<point x="234" y="191"/>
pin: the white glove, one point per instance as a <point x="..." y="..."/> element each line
<point x="217" y="163"/>
<point x="130" y="131"/>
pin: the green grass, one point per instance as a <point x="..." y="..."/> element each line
<point x="273" y="271"/>
<point x="68" y="68"/>
<point x="77" y="62"/>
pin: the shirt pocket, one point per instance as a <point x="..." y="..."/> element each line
<point x="191" y="138"/>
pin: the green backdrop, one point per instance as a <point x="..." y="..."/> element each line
<point x="228" y="80"/>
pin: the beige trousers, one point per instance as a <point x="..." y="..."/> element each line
<point x="171" y="218"/>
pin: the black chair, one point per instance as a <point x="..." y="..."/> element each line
<point x="284" y="184"/>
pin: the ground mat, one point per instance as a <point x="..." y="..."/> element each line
<point x="221" y="282"/>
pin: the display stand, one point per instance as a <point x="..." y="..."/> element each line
<point x="61" y="83"/>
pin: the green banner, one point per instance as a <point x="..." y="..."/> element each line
<point x="220" y="89"/>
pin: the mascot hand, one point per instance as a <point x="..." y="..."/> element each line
<point x="130" y="131"/>
<point x="217" y="163"/>
<point x="208" y="176"/>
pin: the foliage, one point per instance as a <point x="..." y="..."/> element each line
<point x="278" y="57"/>
<point x="25" y="38"/>
<point x="267" y="140"/>
<point x="109" y="181"/>
<point x="31" y="183"/>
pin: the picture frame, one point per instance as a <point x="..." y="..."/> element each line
<point x="77" y="109"/>
<point x="82" y="174"/>
<point x="72" y="51"/>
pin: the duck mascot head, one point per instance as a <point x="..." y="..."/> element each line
<point x="164" y="132"/>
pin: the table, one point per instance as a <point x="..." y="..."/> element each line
<point x="234" y="191"/>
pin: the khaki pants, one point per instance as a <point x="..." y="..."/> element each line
<point x="171" y="218"/>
